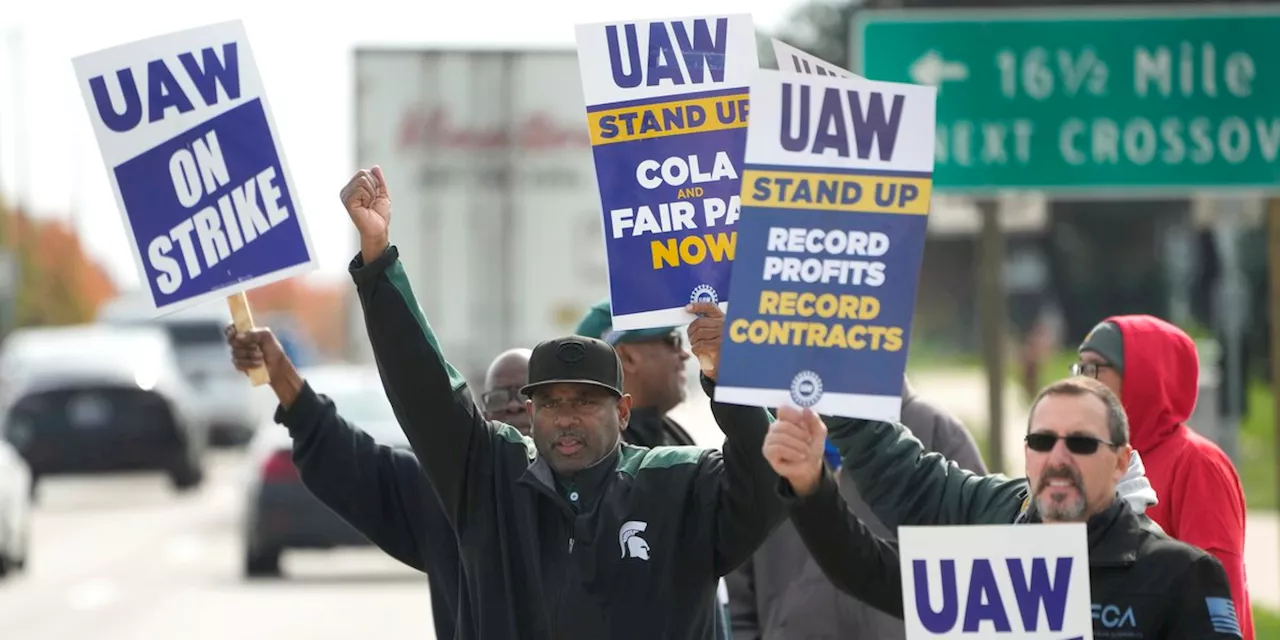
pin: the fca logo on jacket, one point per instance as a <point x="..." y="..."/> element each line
<point x="1113" y="617"/>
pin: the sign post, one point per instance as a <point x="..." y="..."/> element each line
<point x="1089" y="102"/>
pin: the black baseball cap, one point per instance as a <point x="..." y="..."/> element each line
<point x="577" y="360"/>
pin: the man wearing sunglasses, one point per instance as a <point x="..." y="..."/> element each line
<point x="653" y="367"/>
<point x="1152" y="366"/>
<point x="1077" y="452"/>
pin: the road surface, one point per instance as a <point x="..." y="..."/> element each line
<point x="124" y="558"/>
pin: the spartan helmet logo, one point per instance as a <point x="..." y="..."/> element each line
<point x="631" y="542"/>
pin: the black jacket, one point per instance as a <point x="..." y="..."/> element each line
<point x="637" y="555"/>
<point x="1145" y="585"/>
<point x="648" y="428"/>
<point x="380" y="491"/>
<point x="782" y="594"/>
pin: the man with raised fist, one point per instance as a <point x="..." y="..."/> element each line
<point x="569" y="532"/>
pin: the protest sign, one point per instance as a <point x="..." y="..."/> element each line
<point x="667" y="112"/>
<point x="194" y="158"/>
<point x="793" y="60"/>
<point x="835" y="193"/>
<point x="996" y="581"/>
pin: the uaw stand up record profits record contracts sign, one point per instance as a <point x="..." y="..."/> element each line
<point x="667" y="112"/>
<point x="195" y="160"/>
<point x="835" y="194"/>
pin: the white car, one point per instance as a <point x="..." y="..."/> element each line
<point x="95" y="398"/>
<point x="224" y="398"/>
<point x="15" y="510"/>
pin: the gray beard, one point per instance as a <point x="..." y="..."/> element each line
<point x="1070" y="511"/>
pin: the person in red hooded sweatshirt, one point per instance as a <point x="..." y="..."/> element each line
<point x="1152" y="365"/>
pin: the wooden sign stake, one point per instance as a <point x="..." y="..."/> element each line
<point x="243" y="320"/>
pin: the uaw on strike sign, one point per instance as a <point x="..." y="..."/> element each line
<point x="194" y="157"/>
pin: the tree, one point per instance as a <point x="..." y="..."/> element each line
<point x="319" y="311"/>
<point x="56" y="283"/>
<point x="822" y="28"/>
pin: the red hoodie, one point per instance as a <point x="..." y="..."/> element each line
<point x="1201" y="500"/>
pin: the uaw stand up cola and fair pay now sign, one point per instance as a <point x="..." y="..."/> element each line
<point x="194" y="158"/>
<point x="667" y="112"/>
<point x="998" y="581"/>
<point x="835" y="201"/>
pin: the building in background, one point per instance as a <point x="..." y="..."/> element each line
<point x="497" y="210"/>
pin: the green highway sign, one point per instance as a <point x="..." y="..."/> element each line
<point x="1090" y="101"/>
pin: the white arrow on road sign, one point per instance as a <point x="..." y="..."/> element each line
<point x="931" y="69"/>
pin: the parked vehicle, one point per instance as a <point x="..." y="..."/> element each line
<point x="280" y="512"/>
<point x="95" y="398"/>
<point x="15" y="510"/>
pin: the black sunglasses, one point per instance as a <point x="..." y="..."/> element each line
<point x="1089" y="369"/>
<point x="1079" y="445"/>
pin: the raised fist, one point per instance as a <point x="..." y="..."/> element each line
<point x="368" y="202"/>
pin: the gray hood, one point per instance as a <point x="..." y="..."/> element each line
<point x="1134" y="487"/>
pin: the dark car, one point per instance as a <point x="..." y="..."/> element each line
<point x="96" y="399"/>
<point x="281" y="513"/>
<point x="223" y="398"/>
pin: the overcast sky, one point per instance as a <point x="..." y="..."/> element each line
<point x="52" y="160"/>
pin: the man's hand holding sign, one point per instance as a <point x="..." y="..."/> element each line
<point x="194" y="158"/>
<point x="794" y="447"/>
<point x="706" y="335"/>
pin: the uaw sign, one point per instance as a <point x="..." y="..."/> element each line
<point x="195" y="160"/>
<point x="1007" y="582"/>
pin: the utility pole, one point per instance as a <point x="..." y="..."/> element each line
<point x="991" y="315"/>
<point x="1273" y="277"/>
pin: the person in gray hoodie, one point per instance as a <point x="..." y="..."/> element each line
<point x="780" y="593"/>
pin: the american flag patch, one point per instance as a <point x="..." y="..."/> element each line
<point x="1222" y="613"/>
